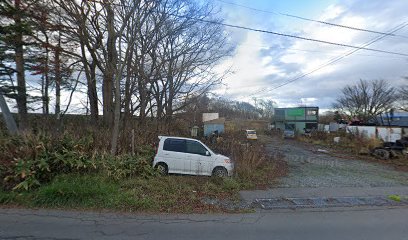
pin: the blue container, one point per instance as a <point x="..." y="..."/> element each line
<point x="209" y="128"/>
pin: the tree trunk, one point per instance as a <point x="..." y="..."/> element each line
<point x="112" y="111"/>
<point x="46" y="83"/>
<point x="107" y="89"/>
<point x="128" y="92"/>
<point x="19" y="59"/>
<point x="46" y="98"/>
<point x="169" y="103"/>
<point x="90" y="74"/>
<point x="108" y="78"/>
<point x="93" y="93"/>
<point x="143" y="104"/>
<point x="57" y="82"/>
<point x="116" y="121"/>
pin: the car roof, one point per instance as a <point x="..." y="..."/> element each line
<point x="184" y="138"/>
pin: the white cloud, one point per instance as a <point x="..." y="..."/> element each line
<point x="249" y="67"/>
<point x="332" y="12"/>
<point x="257" y="69"/>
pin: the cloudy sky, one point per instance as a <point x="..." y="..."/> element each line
<point x="263" y="61"/>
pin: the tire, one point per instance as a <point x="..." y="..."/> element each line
<point x="220" y="172"/>
<point x="162" y="169"/>
<point x="381" y="154"/>
<point x="394" y="154"/>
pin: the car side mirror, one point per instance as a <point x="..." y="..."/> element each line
<point x="207" y="153"/>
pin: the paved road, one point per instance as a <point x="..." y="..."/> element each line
<point x="58" y="225"/>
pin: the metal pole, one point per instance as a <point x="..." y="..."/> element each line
<point x="8" y="118"/>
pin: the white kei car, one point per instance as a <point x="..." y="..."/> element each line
<point x="190" y="156"/>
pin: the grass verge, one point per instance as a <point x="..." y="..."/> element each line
<point x="170" y="194"/>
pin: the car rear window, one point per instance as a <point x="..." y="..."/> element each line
<point x="251" y="132"/>
<point x="174" y="145"/>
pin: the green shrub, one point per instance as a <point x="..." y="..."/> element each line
<point x="33" y="159"/>
<point x="6" y="197"/>
<point x="231" y="185"/>
<point x="78" y="190"/>
<point x="395" y="198"/>
<point x="28" y="161"/>
<point x="126" y="166"/>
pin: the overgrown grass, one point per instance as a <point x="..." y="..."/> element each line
<point x="31" y="160"/>
<point x="254" y="168"/>
<point x="176" y="194"/>
<point x="67" y="172"/>
<point x="86" y="191"/>
<point x="351" y="143"/>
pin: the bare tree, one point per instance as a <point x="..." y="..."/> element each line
<point x="366" y="99"/>
<point x="189" y="52"/>
<point x="267" y="107"/>
<point x="56" y="65"/>
<point x="172" y="59"/>
<point x="403" y="97"/>
<point x="152" y="58"/>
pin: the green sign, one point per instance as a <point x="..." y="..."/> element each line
<point x="297" y="112"/>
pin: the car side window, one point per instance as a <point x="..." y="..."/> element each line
<point x="195" y="148"/>
<point x="174" y="145"/>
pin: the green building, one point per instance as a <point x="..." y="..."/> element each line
<point x="298" y="119"/>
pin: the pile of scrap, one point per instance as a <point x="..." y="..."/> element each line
<point x="391" y="149"/>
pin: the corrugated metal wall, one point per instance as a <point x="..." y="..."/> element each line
<point x="210" y="128"/>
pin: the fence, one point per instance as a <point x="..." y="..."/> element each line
<point x="387" y="134"/>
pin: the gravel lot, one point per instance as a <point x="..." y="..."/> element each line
<point x="310" y="168"/>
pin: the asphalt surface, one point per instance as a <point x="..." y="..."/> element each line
<point x="57" y="225"/>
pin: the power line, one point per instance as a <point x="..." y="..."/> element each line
<point x="315" y="51"/>
<point x="276" y="33"/>
<point x="311" y="20"/>
<point x="331" y="61"/>
<point x="293" y="36"/>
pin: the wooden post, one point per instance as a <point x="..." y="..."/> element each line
<point x="133" y="142"/>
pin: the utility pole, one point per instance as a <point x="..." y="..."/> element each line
<point x="8" y="118"/>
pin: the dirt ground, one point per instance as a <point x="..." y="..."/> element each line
<point x="309" y="167"/>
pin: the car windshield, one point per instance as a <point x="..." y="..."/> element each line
<point x="251" y="132"/>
